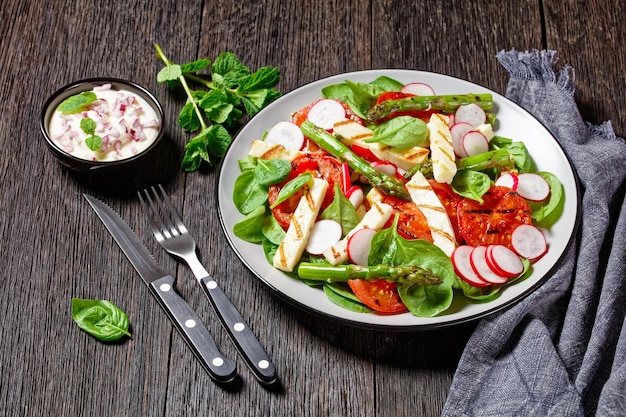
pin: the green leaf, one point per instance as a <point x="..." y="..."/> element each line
<point x="250" y="227"/>
<point x="263" y="78"/>
<point x="93" y="142"/>
<point x="216" y="106"/>
<point x="195" y="153"/>
<point x="272" y="171"/>
<point x="188" y="118"/>
<point x="471" y="184"/>
<point x="272" y="230"/>
<point x="341" y="210"/>
<point x="77" y="103"/>
<point x="218" y="140"/>
<point x="100" y="318"/>
<point x="292" y="187"/>
<point x="195" y="66"/>
<point x="401" y="132"/>
<point x="548" y="211"/>
<point x="248" y="194"/>
<point x="344" y="298"/>
<point x="230" y="69"/>
<point x="169" y="73"/>
<point x="254" y="101"/>
<point x="88" y="125"/>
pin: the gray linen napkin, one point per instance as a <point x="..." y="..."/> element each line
<point x="562" y="350"/>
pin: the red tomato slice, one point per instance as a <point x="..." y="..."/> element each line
<point x="284" y="211"/>
<point x="450" y="201"/>
<point x="379" y="295"/>
<point x="412" y="223"/>
<point x="492" y="222"/>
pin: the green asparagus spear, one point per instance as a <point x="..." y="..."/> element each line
<point x="446" y="103"/>
<point x="500" y="158"/>
<point x="332" y="145"/>
<point x="406" y="274"/>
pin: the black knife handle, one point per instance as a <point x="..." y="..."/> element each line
<point x="255" y="355"/>
<point x="197" y="336"/>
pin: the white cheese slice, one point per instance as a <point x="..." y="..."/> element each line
<point x="291" y="248"/>
<point x="442" y="153"/>
<point x="375" y="218"/>
<point x="264" y="150"/>
<point x="487" y="130"/>
<point x="429" y="204"/>
<point x="353" y="133"/>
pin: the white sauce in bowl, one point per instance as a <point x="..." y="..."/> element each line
<point x="125" y="121"/>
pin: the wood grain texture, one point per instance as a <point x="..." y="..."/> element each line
<point x="54" y="248"/>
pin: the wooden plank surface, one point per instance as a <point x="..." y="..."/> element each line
<point x="53" y="247"/>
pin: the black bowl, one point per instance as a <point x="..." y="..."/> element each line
<point x="89" y="166"/>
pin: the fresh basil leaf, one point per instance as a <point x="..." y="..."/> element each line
<point x="272" y="171"/>
<point x="248" y="194"/>
<point x="401" y="132"/>
<point x="77" y="102"/>
<point x="341" y="210"/>
<point x="100" y="318"/>
<point x="195" y="66"/>
<point x="471" y="184"/>
<point x="250" y="227"/>
<point x="292" y="187"/>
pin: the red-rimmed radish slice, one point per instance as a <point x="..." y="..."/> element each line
<point x="471" y="113"/>
<point x="325" y="113"/>
<point x="504" y="261"/>
<point x="451" y="120"/>
<point x="463" y="267"/>
<point x="324" y="234"/>
<point x="286" y="134"/>
<point x="386" y="167"/>
<point x="528" y="241"/>
<point x="418" y="89"/>
<point x="478" y="261"/>
<point x="475" y="143"/>
<point x="457" y="131"/>
<point x="346" y="182"/>
<point x="532" y="186"/>
<point x="508" y="180"/>
<point x="355" y="195"/>
<point x="359" y="245"/>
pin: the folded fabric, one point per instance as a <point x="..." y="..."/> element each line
<point x="562" y="350"/>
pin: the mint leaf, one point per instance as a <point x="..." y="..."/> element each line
<point x="216" y="106"/>
<point x="195" y="153"/>
<point x="88" y="125"/>
<point x="264" y="78"/>
<point x="230" y="68"/>
<point x="93" y="142"/>
<point x="77" y="103"/>
<point x="188" y="119"/>
<point x="169" y="73"/>
<point x="100" y="318"/>
<point x="195" y="66"/>
<point x="218" y="140"/>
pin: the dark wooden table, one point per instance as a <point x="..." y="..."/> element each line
<point x="53" y="248"/>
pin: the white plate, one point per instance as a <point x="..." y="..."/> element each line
<point x="513" y="122"/>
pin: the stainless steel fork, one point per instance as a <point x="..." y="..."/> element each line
<point x="172" y="234"/>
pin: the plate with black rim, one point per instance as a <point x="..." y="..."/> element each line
<point x="512" y="121"/>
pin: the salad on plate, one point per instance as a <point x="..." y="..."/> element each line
<point x="391" y="198"/>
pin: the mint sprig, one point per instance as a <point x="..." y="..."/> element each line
<point x="230" y="92"/>
<point x="77" y="102"/>
<point x="88" y="125"/>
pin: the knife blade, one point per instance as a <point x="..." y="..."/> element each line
<point x="161" y="284"/>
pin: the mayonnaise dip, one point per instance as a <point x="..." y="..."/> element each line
<point x="125" y="121"/>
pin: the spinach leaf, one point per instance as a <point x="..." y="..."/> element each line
<point x="292" y="187"/>
<point x="521" y="157"/>
<point x="546" y="212"/>
<point x="250" y="227"/>
<point x="272" y="171"/>
<point x="401" y="132"/>
<point x="272" y="230"/>
<point x="248" y="194"/>
<point x="471" y="184"/>
<point x="342" y="211"/>
<point x="344" y="298"/>
<point x="100" y="318"/>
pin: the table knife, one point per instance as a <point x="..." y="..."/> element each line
<point x="161" y="284"/>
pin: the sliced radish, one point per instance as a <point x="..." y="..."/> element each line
<point x="457" y="131"/>
<point x="418" y="89"/>
<point x="359" y="245"/>
<point x="286" y="134"/>
<point x="451" y="120"/>
<point x="508" y="180"/>
<point x="504" y="261"/>
<point x="325" y="113"/>
<point x="324" y="234"/>
<point x="478" y="261"/>
<point x="386" y="167"/>
<point x="532" y="186"/>
<point x="346" y="182"/>
<point x="355" y="195"/>
<point x="463" y="267"/>
<point x="529" y="242"/>
<point x="475" y="143"/>
<point x="471" y="113"/>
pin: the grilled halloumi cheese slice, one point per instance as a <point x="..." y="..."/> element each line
<point x="291" y="248"/>
<point x="375" y="218"/>
<point x="351" y="132"/>
<point x="441" y="150"/>
<point x="264" y="150"/>
<point x="429" y="204"/>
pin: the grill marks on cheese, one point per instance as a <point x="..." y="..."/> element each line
<point x="442" y="152"/>
<point x="291" y="248"/>
<point x="429" y="204"/>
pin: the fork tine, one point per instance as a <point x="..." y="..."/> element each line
<point x="172" y="210"/>
<point x="154" y="219"/>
